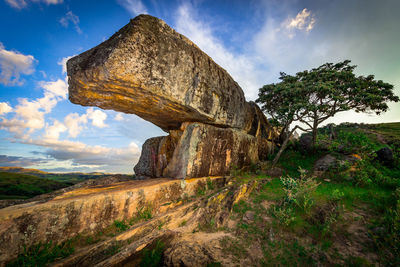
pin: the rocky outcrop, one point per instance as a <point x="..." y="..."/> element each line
<point x="150" y="70"/>
<point x="88" y="210"/>
<point x="199" y="150"/>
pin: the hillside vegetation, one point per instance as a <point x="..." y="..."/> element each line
<point x="22" y="183"/>
<point x="20" y="186"/>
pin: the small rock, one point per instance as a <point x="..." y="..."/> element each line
<point x="231" y="224"/>
<point x="249" y="216"/>
<point x="325" y="163"/>
<point x="385" y="155"/>
<point x="305" y="143"/>
<point x="274" y="172"/>
<point x="187" y="253"/>
<point x="266" y="204"/>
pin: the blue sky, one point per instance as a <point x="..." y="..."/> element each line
<point x="252" y="40"/>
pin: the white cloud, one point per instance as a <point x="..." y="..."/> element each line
<point x="241" y="67"/>
<point x="30" y="114"/>
<point x="63" y="63"/>
<point x="19" y="161"/>
<point x="81" y="154"/>
<point x="75" y="123"/>
<point x="304" y="20"/>
<point x="57" y="88"/>
<point x="134" y="7"/>
<point x="50" y="2"/>
<point x="5" y="108"/>
<point x="117" y="117"/>
<point x="53" y="132"/>
<point x="71" y="17"/>
<point x="13" y="64"/>
<point x="20" y="4"/>
<point x="97" y="116"/>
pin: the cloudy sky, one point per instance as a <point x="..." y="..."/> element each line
<point x="252" y="40"/>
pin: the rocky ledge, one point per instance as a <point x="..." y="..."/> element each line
<point x="90" y="209"/>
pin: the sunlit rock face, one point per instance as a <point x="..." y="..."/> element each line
<point x="150" y="70"/>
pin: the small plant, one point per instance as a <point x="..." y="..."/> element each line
<point x="284" y="214"/>
<point x="143" y="213"/>
<point x="113" y="249"/>
<point x="214" y="264"/>
<point x="43" y="254"/>
<point x="121" y="226"/>
<point x="299" y="191"/>
<point x="152" y="258"/>
<point x="336" y="195"/>
<point x="161" y="224"/>
<point x="210" y="184"/>
<point x="201" y="191"/>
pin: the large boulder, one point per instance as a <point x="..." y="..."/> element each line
<point x="199" y="150"/>
<point x="206" y="150"/>
<point x="150" y="70"/>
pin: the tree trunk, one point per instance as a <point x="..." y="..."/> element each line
<point x="314" y="133"/>
<point x="283" y="147"/>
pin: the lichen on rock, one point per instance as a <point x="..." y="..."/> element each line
<point x="150" y="70"/>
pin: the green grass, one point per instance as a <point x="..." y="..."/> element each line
<point x="22" y="186"/>
<point x="292" y="159"/>
<point x="121" y="226"/>
<point x="42" y="254"/>
<point x="389" y="130"/>
<point x="143" y="213"/>
<point x="153" y="257"/>
<point x="272" y="191"/>
<point x="353" y="196"/>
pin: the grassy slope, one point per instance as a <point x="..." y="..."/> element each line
<point x="349" y="223"/>
<point x="20" y="186"/>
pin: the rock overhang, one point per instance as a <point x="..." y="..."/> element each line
<point x="150" y="70"/>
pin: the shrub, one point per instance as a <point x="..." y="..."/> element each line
<point x="299" y="191"/>
<point x="284" y="213"/>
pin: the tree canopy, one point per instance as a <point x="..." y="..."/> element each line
<point x="313" y="96"/>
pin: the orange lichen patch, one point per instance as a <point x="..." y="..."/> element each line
<point x="192" y="180"/>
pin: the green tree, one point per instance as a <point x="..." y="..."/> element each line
<point x="282" y="103"/>
<point x="313" y="96"/>
<point x="333" y="88"/>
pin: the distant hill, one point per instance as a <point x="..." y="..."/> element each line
<point x="22" y="170"/>
<point x="22" y="183"/>
<point x="20" y="186"/>
<point x="70" y="178"/>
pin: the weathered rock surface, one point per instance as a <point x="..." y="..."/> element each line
<point x="88" y="210"/>
<point x="150" y="70"/>
<point x="199" y="150"/>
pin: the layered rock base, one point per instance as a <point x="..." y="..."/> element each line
<point x="198" y="150"/>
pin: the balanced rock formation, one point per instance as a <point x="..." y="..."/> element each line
<point x="150" y="70"/>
